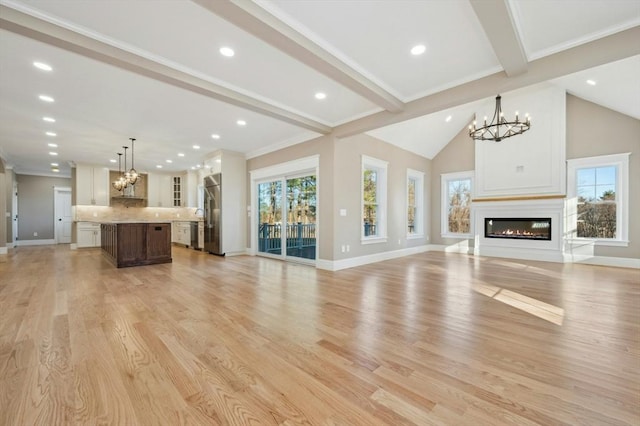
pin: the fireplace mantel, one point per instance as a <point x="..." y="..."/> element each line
<point x="546" y="250"/>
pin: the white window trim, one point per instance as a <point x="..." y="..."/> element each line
<point x="382" y="167"/>
<point x="418" y="176"/>
<point x="621" y="161"/>
<point x="444" y="213"/>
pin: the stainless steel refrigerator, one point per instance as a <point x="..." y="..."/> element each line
<point x="213" y="214"/>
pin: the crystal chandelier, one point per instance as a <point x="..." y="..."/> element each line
<point x="499" y="128"/>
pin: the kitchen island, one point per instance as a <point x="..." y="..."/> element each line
<point x="136" y="243"/>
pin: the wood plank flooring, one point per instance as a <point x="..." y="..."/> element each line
<point x="434" y="338"/>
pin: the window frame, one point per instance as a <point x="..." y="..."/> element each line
<point x="445" y="178"/>
<point x="621" y="161"/>
<point x="418" y="177"/>
<point x="381" y="168"/>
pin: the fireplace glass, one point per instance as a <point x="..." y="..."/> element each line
<point x="518" y="228"/>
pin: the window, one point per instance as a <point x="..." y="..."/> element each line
<point x="457" y="189"/>
<point x="597" y="206"/>
<point x="374" y="200"/>
<point x="415" y="191"/>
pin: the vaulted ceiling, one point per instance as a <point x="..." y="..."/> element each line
<point x="153" y="70"/>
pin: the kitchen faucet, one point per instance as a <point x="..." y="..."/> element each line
<point x="196" y="212"/>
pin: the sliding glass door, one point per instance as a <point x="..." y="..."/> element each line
<point x="287" y="217"/>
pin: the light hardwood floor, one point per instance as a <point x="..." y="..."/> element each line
<point x="428" y="339"/>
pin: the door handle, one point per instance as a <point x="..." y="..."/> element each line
<point x="60" y="220"/>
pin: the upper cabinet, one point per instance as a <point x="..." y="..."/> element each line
<point x="92" y="185"/>
<point x="160" y="190"/>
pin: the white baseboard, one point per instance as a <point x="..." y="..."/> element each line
<point x="336" y="265"/>
<point x="35" y="242"/>
<point x="235" y="253"/>
<point x="4" y="250"/>
<point x="451" y="249"/>
<point x="11" y="245"/>
<point x="620" y="262"/>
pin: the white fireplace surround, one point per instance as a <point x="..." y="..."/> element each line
<point x="551" y="251"/>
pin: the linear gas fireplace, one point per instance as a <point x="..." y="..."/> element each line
<point x="518" y="228"/>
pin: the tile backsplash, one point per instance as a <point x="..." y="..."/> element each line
<point x="122" y="213"/>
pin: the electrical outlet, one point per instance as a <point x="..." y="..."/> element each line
<point x="399" y="242"/>
<point x="347" y="248"/>
<point x="343" y="248"/>
<point x="35" y="234"/>
<point x="95" y="214"/>
<point x="157" y="214"/>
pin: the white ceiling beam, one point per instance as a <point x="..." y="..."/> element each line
<point x="497" y="21"/>
<point x="50" y="33"/>
<point x="608" y="49"/>
<point x="254" y="19"/>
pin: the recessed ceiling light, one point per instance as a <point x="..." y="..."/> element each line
<point x="241" y="123"/>
<point x="180" y="154"/>
<point x="53" y="153"/>
<point x="49" y="119"/>
<point x="158" y="166"/>
<point x="46" y="98"/>
<point x="227" y="51"/>
<point x="51" y="134"/>
<point x="193" y="167"/>
<point x="52" y="145"/>
<point x="54" y="164"/>
<point x="448" y="119"/>
<point x="198" y="166"/>
<point x="42" y="66"/>
<point x="215" y="136"/>
<point x="591" y="82"/>
<point x="218" y="160"/>
<point x="320" y="95"/>
<point x="169" y="161"/>
<point x="418" y="49"/>
<point x="196" y="147"/>
<point x="113" y="161"/>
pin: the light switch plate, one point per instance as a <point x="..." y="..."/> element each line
<point x="343" y="212"/>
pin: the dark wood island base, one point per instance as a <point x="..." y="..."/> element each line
<point x="135" y="244"/>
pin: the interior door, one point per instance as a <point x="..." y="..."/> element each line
<point x="14" y="210"/>
<point x="63" y="218"/>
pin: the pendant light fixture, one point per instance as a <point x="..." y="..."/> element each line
<point x="499" y="128"/>
<point x="120" y="183"/>
<point x="132" y="174"/>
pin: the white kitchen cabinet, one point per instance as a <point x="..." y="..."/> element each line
<point x="92" y="185"/>
<point x="159" y="188"/>
<point x="88" y="234"/>
<point x="181" y="233"/>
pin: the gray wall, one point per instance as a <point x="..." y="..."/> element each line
<point x="322" y="146"/>
<point x="593" y="130"/>
<point x="339" y="188"/>
<point x="347" y="188"/>
<point x="36" y="206"/>
<point x="457" y="156"/>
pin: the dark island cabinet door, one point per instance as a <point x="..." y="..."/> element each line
<point x="158" y="241"/>
<point x="131" y="243"/>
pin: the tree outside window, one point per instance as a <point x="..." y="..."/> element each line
<point x="459" y="206"/>
<point x="370" y="202"/>
<point x="411" y="206"/>
<point x="597" y="204"/>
